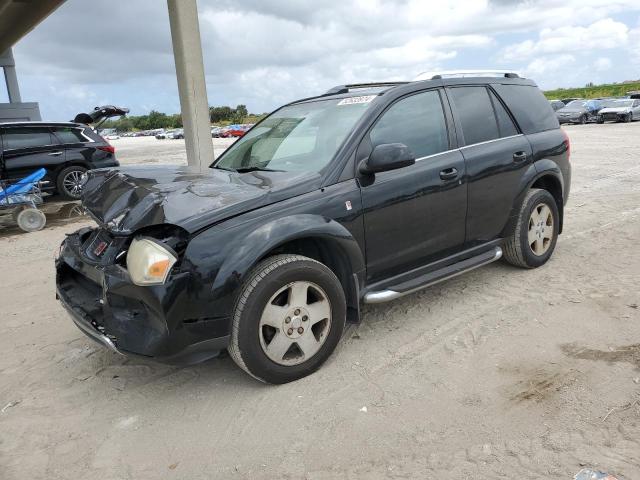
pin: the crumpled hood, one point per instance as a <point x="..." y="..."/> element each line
<point x="615" y="110"/>
<point x="129" y="198"/>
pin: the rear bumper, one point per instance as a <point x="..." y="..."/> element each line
<point x="158" y="323"/>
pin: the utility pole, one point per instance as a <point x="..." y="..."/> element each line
<point x="187" y="53"/>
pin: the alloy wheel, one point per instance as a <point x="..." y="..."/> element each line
<point x="541" y="227"/>
<point x="295" y="323"/>
<point x="72" y="183"/>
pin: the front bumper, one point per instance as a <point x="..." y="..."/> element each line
<point x="612" y="116"/>
<point x="159" y="322"/>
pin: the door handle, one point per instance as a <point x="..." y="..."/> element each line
<point x="519" y="157"/>
<point x="449" y="173"/>
<point x="55" y="154"/>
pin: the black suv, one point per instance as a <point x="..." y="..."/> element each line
<point x="65" y="149"/>
<point x="363" y="194"/>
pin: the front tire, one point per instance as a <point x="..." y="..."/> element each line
<point x="628" y="117"/>
<point x="288" y="319"/>
<point x="583" y="120"/>
<point x="536" y="233"/>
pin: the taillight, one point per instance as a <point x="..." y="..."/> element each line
<point x="567" y="142"/>
<point x="108" y="149"/>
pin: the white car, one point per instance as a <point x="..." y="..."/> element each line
<point x="112" y="137"/>
<point x="620" y="110"/>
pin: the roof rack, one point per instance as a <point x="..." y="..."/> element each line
<point x="465" y="73"/>
<point x="354" y="86"/>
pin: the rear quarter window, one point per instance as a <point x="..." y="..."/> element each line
<point x="69" y="135"/>
<point x="531" y="109"/>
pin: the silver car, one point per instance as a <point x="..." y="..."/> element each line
<point x="620" y="110"/>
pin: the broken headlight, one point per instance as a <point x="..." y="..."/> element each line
<point x="149" y="262"/>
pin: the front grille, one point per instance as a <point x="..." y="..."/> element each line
<point x="102" y="247"/>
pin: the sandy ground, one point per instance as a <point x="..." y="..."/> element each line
<point x="500" y="373"/>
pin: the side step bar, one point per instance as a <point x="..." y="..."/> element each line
<point x="431" y="278"/>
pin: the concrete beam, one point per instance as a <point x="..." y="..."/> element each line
<point x="17" y="18"/>
<point x="187" y="53"/>
<point x="10" y="77"/>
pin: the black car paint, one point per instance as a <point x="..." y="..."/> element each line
<point x="365" y="227"/>
<point x="55" y="156"/>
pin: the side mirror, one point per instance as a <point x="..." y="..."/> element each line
<point x="388" y="156"/>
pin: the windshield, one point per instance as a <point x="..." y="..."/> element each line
<point x="576" y="104"/>
<point x="297" y="138"/>
<point x="617" y="103"/>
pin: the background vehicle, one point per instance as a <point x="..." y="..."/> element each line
<point x="161" y="135"/>
<point x="66" y="150"/>
<point x="216" y="131"/>
<point x="619" y="110"/>
<point x="176" y="134"/>
<point x="556" y="104"/>
<point x="579" y="111"/>
<point x="269" y="252"/>
<point x="235" y="130"/>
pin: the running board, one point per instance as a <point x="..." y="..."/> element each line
<point x="431" y="278"/>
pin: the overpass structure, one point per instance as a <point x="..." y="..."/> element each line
<point x="19" y="17"/>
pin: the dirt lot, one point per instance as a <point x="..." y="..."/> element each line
<point x="501" y="373"/>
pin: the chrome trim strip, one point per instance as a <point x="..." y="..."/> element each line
<point x="388" y="295"/>
<point x="492" y="141"/>
<point x="467" y="146"/>
<point x="436" y="154"/>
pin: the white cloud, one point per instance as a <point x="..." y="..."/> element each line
<point x="603" y="34"/>
<point x="541" y="66"/>
<point x="602" y="64"/>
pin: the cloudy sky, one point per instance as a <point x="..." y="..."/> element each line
<point x="266" y="52"/>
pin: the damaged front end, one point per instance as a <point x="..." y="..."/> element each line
<point x="130" y="283"/>
<point x="152" y="319"/>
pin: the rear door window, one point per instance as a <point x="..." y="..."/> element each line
<point x="475" y="114"/>
<point x="27" y="137"/>
<point x="417" y="121"/>
<point x="506" y="126"/>
<point x="69" y="135"/>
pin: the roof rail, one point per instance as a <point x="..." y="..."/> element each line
<point x="465" y="73"/>
<point x="354" y="86"/>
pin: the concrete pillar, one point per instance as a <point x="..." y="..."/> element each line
<point x="187" y="53"/>
<point x="10" y="77"/>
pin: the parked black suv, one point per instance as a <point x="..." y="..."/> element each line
<point x="363" y="194"/>
<point x="65" y="149"/>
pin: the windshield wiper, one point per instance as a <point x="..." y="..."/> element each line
<point x="256" y="169"/>
<point x="228" y="169"/>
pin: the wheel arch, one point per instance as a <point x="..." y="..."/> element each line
<point x="314" y="236"/>
<point x="332" y="253"/>
<point x="551" y="183"/>
<point x="544" y="174"/>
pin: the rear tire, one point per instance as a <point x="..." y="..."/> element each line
<point x="536" y="233"/>
<point x="288" y="319"/>
<point x="583" y="120"/>
<point x="68" y="182"/>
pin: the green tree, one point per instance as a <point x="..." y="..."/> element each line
<point x="220" y="114"/>
<point x="239" y="114"/>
